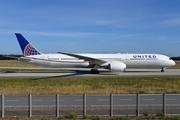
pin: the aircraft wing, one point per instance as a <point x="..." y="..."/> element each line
<point x="86" y="58"/>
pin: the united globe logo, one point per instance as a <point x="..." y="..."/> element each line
<point x="30" y="50"/>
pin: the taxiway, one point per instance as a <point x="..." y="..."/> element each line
<point x="86" y="73"/>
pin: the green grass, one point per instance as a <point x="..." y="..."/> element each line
<point x="15" y="63"/>
<point x="72" y="115"/>
<point x="117" y="85"/>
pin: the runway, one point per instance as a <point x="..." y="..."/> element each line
<point x="86" y="73"/>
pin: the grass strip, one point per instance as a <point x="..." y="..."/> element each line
<point x="117" y="85"/>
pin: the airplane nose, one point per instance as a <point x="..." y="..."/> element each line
<point x="173" y="63"/>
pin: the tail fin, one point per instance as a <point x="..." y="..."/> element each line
<point x="27" y="48"/>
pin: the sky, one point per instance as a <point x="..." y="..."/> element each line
<point x="92" y="26"/>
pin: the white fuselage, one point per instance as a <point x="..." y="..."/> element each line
<point x="131" y="60"/>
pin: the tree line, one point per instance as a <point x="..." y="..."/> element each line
<point x="5" y="57"/>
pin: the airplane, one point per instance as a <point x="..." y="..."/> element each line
<point x="112" y="62"/>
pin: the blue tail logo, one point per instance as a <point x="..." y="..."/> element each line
<point x="26" y="47"/>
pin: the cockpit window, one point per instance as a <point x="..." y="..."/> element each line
<point x="170" y="59"/>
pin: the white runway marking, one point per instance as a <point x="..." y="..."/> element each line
<point x="125" y="99"/>
<point x="12" y="100"/>
<point x="170" y="99"/>
<point x="36" y="100"/>
<point x="102" y="99"/>
<point x="148" y="99"/>
<point x="78" y="100"/>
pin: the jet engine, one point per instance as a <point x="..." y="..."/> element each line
<point x="116" y="66"/>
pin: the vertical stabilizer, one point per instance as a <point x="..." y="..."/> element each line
<point x="27" y="48"/>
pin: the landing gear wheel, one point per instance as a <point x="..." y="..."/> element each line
<point x="162" y="70"/>
<point x="93" y="71"/>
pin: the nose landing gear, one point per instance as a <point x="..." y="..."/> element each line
<point x="163" y="69"/>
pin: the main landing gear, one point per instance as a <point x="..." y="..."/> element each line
<point x="95" y="70"/>
<point x="163" y="69"/>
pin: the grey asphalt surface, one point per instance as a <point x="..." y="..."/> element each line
<point x="86" y="73"/>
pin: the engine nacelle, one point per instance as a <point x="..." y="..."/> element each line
<point x="116" y="66"/>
